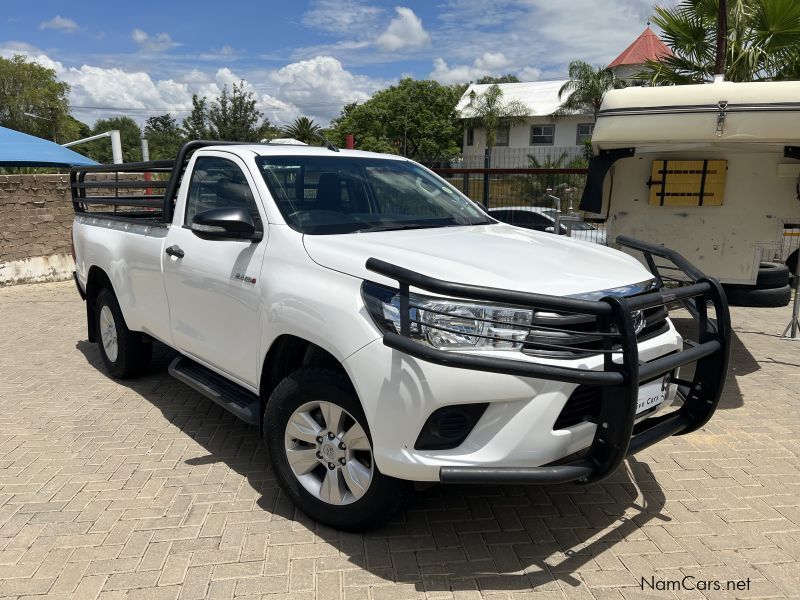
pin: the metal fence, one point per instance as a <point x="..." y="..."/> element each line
<point x="552" y="157"/>
<point x="544" y="199"/>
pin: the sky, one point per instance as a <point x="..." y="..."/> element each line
<point x="304" y="57"/>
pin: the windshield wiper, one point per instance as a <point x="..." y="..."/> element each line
<point x="399" y="226"/>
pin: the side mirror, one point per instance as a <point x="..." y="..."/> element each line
<point x="224" y="223"/>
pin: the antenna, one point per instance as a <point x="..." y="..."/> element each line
<point x="328" y="144"/>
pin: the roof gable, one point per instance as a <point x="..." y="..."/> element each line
<point x="648" y="46"/>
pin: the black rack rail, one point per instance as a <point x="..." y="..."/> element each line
<point x="617" y="436"/>
<point x="149" y="203"/>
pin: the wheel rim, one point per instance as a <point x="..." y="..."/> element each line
<point x="108" y="333"/>
<point x="329" y="452"/>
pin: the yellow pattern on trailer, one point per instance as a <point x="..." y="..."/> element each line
<point x="687" y="182"/>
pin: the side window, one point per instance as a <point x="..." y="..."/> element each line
<point x="584" y="133"/>
<point x="543" y="135"/>
<point x="219" y="183"/>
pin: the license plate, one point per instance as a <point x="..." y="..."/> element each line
<point x="652" y="394"/>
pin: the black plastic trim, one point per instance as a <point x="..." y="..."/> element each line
<point x="592" y="198"/>
<point x="78" y="285"/>
<point x="230" y="396"/>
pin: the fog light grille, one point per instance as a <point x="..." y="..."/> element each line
<point x="449" y="426"/>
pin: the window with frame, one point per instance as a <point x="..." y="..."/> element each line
<point x="543" y="135"/>
<point x="219" y="183"/>
<point x="584" y="133"/>
<point x="470" y="136"/>
<point x="502" y="135"/>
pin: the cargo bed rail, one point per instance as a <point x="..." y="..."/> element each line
<point x="128" y="177"/>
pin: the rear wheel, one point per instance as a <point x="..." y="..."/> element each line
<point x="124" y="352"/>
<point x="321" y="451"/>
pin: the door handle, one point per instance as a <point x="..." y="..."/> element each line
<point x="174" y="251"/>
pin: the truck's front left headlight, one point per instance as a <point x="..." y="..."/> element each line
<point x="450" y="324"/>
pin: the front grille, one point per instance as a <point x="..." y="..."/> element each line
<point x="583" y="405"/>
<point x="565" y="335"/>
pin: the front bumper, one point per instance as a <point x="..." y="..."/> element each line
<point x="527" y="393"/>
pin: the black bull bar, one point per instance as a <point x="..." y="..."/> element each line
<point x="617" y="436"/>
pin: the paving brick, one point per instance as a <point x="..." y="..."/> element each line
<point x="143" y="489"/>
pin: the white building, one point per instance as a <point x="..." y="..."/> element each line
<point x="541" y="135"/>
<point x="543" y="140"/>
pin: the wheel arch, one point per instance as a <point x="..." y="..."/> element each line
<point x="287" y="354"/>
<point x="96" y="280"/>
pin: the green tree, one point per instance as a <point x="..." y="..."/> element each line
<point x="507" y="78"/>
<point x="585" y="89"/>
<point x="233" y="116"/>
<point x="491" y="111"/>
<point x="415" y="118"/>
<point x="33" y="100"/>
<point x="303" y="129"/>
<point x="196" y="125"/>
<point x="164" y="137"/>
<point x="130" y="136"/>
<point x="763" y="41"/>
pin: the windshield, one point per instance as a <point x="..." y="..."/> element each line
<point x="341" y="194"/>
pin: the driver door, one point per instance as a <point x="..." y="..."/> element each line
<point x="212" y="288"/>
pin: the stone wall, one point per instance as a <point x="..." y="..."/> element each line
<point x="35" y="222"/>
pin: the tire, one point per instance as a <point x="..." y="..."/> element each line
<point x="124" y="352"/>
<point x="753" y="296"/>
<point x="772" y="275"/>
<point x="328" y="495"/>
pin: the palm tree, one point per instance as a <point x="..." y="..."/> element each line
<point x="303" y="129"/>
<point x="585" y="89"/>
<point x="763" y="41"/>
<point x="490" y="111"/>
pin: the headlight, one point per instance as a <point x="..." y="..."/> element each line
<point x="449" y="324"/>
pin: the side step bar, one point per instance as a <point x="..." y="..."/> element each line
<point x="230" y="396"/>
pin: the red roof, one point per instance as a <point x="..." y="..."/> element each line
<point x="648" y="46"/>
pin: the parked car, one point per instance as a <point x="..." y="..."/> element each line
<point x="380" y="329"/>
<point x="544" y="219"/>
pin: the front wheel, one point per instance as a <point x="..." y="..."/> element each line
<point x="321" y="452"/>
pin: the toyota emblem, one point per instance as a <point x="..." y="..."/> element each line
<point x="639" y="321"/>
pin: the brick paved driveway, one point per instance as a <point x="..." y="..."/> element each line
<point x="147" y="490"/>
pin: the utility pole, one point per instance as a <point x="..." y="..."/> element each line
<point x="722" y="42"/>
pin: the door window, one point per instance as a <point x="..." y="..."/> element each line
<point x="219" y="183"/>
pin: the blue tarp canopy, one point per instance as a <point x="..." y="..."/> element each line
<point x="19" y="149"/>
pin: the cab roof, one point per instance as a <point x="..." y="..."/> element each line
<point x="294" y="150"/>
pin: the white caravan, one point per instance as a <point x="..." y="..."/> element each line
<point x="710" y="170"/>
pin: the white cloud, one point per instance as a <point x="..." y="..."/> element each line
<point x="489" y="63"/>
<point x="317" y="87"/>
<point x="60" y="23"/>
<point x="405" y="31"/>
<point x="364" y="40"/>
<point x="320" y="86"/>
<point x="343" y="17"/>
<point x="160" y="42"/>
<point x="529" y="74"/>
<point x="11" y="48"/>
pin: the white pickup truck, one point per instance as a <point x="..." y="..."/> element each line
<point x="380" y="328"/>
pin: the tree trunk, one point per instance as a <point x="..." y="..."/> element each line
<point x="722" y="40"/>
